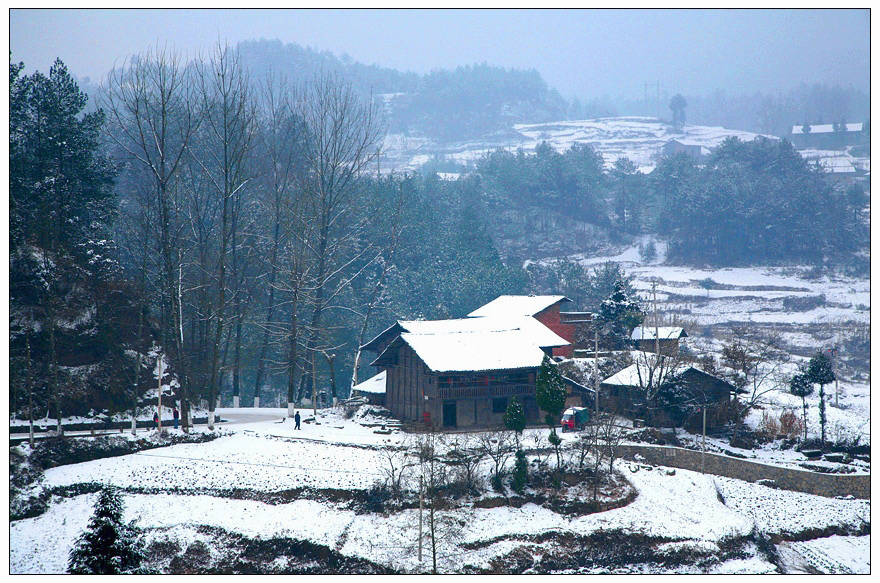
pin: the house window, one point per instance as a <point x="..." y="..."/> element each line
<point x="499" y="404"/>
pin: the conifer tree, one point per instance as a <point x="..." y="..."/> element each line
<point x="550" y="395"/>
<point x="108" y="546"/>
<point x="800" y="386"/>
<point x="820" y="371"/>
<point x="515" y="416"/>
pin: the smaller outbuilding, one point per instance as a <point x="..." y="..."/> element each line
<point x="648" y="338"/>
<point x="695" y="150"/>
<point x="667" y="395"/>
<point x="372" y="389"/>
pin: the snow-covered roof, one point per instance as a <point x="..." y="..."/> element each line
<point x="664" y="332"/>
<point x="476" y="351"/>
<point x="641" y="374"/>
<point x="472" y="344"/>
<point x="517" y="306"/>
<point x="373" y="385"/>
<point x="684" y="142"/>
<point x="540" y="334"/>
<point x="638" y="375"/>
<point x="826" y="128"/>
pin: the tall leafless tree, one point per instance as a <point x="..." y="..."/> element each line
<point x="152" y="115"/>
<point x="343" y="138"/>
<point x="225" y="158"/>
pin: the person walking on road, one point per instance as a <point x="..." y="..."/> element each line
<point x="296" y="420"/>
<point x="156" y="420"/>
<point x="176" y="417"/>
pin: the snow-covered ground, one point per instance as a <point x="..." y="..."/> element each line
<point x="189" y="486"/>
<point x="755" y="297"/>
<point x="636" y="138"/>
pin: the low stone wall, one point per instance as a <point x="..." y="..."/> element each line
<point x="830" y="485"/>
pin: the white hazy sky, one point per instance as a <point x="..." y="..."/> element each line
<point x="579" y="52"/>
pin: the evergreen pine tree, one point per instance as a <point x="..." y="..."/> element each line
<point x="520" y="472"/>
<point x="515" y="416"/>
<point x="821" y="372"/>
<point x="618" y="316"/>
<point x="550" y="395"/>
<point x="108" y="546"/>
<point x="800" y="386"/>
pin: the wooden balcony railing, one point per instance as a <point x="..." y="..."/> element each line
<point x="480" y="391"/>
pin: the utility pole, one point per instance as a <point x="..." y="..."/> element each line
<point x="421" y="508"/>
<point x="656" y="322"/>
<point x="703" y="453"/>
<point x="596" y="366"/>
<point x="159" y="359"/>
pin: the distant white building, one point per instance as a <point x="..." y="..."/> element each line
<point x="695" y="150"/>
<point x="824" y="136"/>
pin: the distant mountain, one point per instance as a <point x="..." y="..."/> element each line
<point x="445" y="105"/>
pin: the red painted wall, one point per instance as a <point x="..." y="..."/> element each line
<point x="550" y="318"/>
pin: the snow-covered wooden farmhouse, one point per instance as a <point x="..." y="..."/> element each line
<point x="462" y="372"/>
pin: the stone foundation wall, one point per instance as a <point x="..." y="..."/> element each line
<point x="830" y="485"/>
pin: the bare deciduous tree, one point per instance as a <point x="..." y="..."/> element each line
<point x="229" y="128"/>
<point x="755" y="362"/>
<point x="152" y="116"/>
<point x="343" y="137"/>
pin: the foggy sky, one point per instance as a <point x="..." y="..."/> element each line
<point x="581" y="52"/>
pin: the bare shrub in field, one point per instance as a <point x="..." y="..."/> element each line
<point x="769" y="427"/>
<point x="790" y="424"/>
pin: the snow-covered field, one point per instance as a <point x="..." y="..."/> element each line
<point x="636" y="138"/>
<point x="188" y="485"/>
<point x="755" y="298"/>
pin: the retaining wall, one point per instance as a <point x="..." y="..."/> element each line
<point x="858" y="486"/>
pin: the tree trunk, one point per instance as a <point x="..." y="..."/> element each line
<point x="236" y="359"/>
<point x="28" y="381"/>
<point x="270" y="310"/>
<point x="291" y="378"/>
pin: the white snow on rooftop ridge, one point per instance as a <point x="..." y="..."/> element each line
<point x="475" y="351"/>
<point x="641" y="375"/>
<point x="516" y="306"/>
<point x="541" y="335"/>
<point x="686" y="142"/>
<point x="665" y="332"/>
<point x="373" y="385"/>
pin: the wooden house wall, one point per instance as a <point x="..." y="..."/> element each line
<point x="405" y="385"/>
<point x="409" y="381"/>
<point x="668" y="346"/>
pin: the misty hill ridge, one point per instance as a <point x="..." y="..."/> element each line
<point x="443" y="105"/>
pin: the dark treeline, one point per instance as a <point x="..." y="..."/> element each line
<point x="234" y="222"/>
<point x="750" y="202"/>
<point x="759" y="112"/>
<point x="233" y="225"/>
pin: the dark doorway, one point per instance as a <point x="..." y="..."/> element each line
<point x="449" y="414"/>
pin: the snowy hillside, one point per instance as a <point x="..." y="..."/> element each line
<point x="636" y="138"/>
<point x="810" y="310"/>
<point x="269" y="482"/>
